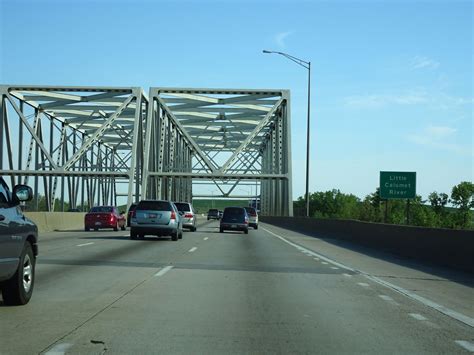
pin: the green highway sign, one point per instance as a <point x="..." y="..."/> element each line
<point x="397" y="185"/>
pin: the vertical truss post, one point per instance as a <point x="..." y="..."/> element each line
<point x="133" y="174"/>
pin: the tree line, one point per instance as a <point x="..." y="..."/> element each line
<point x="440" y="210"/>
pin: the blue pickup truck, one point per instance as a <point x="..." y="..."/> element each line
<point x="18" y="246"/>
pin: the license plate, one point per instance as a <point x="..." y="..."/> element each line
<point x="98" y="223"/>
<point x="233" y="226"/>
<point x="154" y="215"/>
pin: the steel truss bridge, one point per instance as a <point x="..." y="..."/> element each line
<point x="98" y="145"/>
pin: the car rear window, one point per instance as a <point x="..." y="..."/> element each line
<point x="250" y="210"/>
<point x="154" y="206"/>
<point x="234" y="211"/>
<point x="102" y="209"/>
<point x="184" y="207"/>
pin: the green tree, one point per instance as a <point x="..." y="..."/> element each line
<point x="438" y="203"/>
<point x="462" y="196"/>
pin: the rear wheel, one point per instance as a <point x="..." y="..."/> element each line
<point x="174" y="236"/>
<point x="18" y="290"/>
<point x="256" y="226"/>
<point x="123" y="227"/>
<point x="193" y="229"/>
<point x="221" y="230"/>
<point x="87" y="229"/>
<point x="96" y="229"/>
<point x="246" y="231"/>
<point x="116" y="227"/>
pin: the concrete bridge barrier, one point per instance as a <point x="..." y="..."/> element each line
<point x="52" y="221"/>
<point x="446" y="247"/>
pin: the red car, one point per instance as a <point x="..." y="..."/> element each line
<point x="104" y="217"/>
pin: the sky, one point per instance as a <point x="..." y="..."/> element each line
<point x="391" y="81"/>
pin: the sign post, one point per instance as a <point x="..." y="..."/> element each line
<point x="397" y="185"/>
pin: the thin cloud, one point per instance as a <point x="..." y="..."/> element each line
<point x="374" y="101"/>
<point x="439" y="137"/>
<point x="420" y="62"/>
<point x="281" y="37"/>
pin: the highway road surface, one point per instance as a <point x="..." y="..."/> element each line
<point x="269" y="292"/>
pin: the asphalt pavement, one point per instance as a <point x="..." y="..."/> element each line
<point x="270" y="291"/>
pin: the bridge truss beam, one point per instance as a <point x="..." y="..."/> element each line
<point x="223" y="138"/>
<point x="78" y="144"/>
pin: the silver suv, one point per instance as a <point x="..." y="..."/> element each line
<point x="156" y="217"/>
<point x="18" y="246"/>
<point x="188" y="215"/>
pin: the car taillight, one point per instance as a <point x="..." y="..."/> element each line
<point x="112" y="217"/>
<point x="173" y="215"/>
<point x="188" y="215"/>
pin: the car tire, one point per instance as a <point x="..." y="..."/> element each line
<point x="256" y="227"/>
<point x="87" y="229"/>
<point x="116" y="227"/>
<point x="193" y="229"/>
<point x="18" y="289"/>
<point x="123" y="227"/>
<point x="96" y="229"/>
<point x="174" y="236"/>
<point x="180" y="236"/>
<point x="246" y="231"/>
<point x="221" y="230"/>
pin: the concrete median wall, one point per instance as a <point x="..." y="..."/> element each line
<point x="453" y="248"/>
<point x="51" y="221"/>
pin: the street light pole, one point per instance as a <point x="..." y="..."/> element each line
<point x="306" y="65"/>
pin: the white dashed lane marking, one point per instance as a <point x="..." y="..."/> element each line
<point x="417" y="316"/>
<point x="206" y="238"/>
<point x="347" y="275"/>
<point x="192" y="249"/>
<point x="59" y="349"/>
<point x="466" y="345"/>
<point x="164" y="270"/>
<point x="363" y="284"/>
<point x="334" y="268"/>
<point x="83" y="245"/>
<point x="324" y="263"/>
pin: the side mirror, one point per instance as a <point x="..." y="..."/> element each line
<point x="22" y="193"/>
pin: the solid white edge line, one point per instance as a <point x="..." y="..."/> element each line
<point x="466" y="345"/>
<point x="83" y="245"/>
<point x="164" y="270"/>
<point x="58" y="349"/>
<point x="446" y="311"/>
<point x="193" y="249"/>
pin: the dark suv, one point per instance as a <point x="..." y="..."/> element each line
<point x="18" y="246"/>
<point x="213" y="214"/>
<point x="235" y="218"/>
